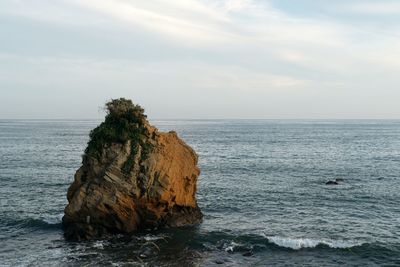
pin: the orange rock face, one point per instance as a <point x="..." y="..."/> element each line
<point x="158" y="190"/>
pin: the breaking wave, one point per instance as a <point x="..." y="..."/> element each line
<point x="53" y="219"/>
<point x="300" y="243"/>
<point x="42" y="223"/>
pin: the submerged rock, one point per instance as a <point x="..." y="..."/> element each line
<point x="331" y="183"/>
<point x="132" y="177"/>
<point x="335" y="182"/>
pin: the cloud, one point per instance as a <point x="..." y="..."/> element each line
<point x="237" y="5"/>
<point x="184" y="20"/>
<point x="232" y="30"/>
<point x="204" y="48"/>
<point x="380" y="8"/>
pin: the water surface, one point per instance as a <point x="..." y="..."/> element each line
<point x="262" y="191"/>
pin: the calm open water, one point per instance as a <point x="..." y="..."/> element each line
<point x="262" y="191"/>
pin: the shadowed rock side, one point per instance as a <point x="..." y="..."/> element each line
<point x="145" y="182"/>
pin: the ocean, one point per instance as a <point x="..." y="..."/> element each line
<point x="262" y="191"/>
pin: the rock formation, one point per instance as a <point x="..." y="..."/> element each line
<point x="331" y="183"/>
<point x="132" y="177"/>
<point x="334" y="182"/>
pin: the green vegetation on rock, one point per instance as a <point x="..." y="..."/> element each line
<point x="128" y="164"/>
<point x="124" y="121"/>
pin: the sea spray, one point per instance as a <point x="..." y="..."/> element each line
<point x="300" y="243"/>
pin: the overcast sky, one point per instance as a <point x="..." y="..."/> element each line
<point x="201" y="58"/>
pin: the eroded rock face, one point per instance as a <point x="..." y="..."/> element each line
<point x="130" y="186"/>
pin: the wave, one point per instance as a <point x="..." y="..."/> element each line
<point x="42" y="223"/>
<point x="300" y="243"/>
<point x="233" y="243"/>
<point x="53" y="219"/>
<point x="46" y="223"/>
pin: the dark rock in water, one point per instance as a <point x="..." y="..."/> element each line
<point x="334" y="182"/>
<point x="331" y="183"/>
<point x="132" y="177"/>
<point x="147" y="252"/>
<point x="248" y="253"/>
<point x="219" y="262"/>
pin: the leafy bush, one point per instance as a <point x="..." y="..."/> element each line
<point x="124" y="121"/>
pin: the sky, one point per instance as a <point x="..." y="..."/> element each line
<point x="201" y="59"/>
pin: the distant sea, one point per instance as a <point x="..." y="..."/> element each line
<point x="262" y="191"/>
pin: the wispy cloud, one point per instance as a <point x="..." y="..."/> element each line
<point x="189" y="20"/>
<point x="239" y="46"/>
<point x="200" y="22"/>
<point x="243" y="27"/>
<point x="373" y="7"/>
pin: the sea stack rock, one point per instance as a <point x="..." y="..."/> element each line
<point x="132" y="177"/>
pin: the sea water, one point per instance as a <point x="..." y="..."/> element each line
<point x="262" y="191"/>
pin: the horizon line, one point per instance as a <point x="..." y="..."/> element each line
<point x="201" y="119"/>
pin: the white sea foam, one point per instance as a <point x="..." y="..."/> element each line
<point x="99" y="244"/>
<point x="150" y="237"/>
<point x="299" y="243"/>
<point x="53" y="219"/>
<point x="231" y="247"/>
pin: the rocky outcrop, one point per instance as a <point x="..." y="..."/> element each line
<point x="331" y="183"/>
<point x="144" y="180"/>
<point x="334" y="182"/>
